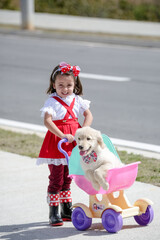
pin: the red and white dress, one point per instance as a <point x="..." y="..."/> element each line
<point x="65" y="113"/>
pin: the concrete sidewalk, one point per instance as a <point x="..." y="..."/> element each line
<point x="84" y="24"/>
<point x="24" y="211"/>
<point x="84" y="29"/>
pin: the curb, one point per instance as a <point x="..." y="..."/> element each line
<point x="84" y="29"/>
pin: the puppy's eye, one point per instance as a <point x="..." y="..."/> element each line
<point x="79" y="139"/>
<point x="88" y="139"/>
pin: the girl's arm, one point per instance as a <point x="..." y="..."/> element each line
<point x="54" y="129"/>
<point x="88" y="118"/>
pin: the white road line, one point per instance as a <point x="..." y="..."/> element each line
<point x="104" y="77"/>
<point x="115" y="141"/>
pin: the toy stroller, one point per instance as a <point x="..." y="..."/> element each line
<point x="111" y="209"/>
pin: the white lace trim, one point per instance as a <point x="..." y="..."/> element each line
<point x="53" y="161"/>
<point x="49" y="110"/>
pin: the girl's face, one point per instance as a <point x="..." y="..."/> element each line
<point x="64" y="85"/>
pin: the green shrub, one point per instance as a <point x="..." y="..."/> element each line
<point x="143" y="10"/>
<point x="7" y="4"/>
<point x="146" y="12"/>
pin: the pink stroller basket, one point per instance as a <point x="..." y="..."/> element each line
<point x="118" y="178"/>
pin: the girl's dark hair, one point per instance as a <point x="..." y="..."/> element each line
<point x="78" y="90"/>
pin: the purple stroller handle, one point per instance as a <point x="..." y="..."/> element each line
<point x="62" y="150"/>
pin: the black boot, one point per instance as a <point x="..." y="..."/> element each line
<point x="66" y="211"/>
<point x="54" y="218"/>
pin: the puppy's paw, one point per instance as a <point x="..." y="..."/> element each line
<point x="96" y="186"/>
<point x="105" y="186"/>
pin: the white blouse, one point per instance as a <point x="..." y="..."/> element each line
<point x="53" y="107"/>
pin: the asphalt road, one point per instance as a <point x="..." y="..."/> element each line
<point x="126" y="110"/>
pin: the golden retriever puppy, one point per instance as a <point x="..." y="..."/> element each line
<point x="96" y="158"/>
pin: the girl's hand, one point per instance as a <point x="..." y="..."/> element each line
<point x="69" y="137"/>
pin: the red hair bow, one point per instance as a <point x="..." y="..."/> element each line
<point x="76" y="70"/>
<point x="65" y="67"/>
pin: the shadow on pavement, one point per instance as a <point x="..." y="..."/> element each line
<point x="32" y="231"/>
<point x="43" y="231"/>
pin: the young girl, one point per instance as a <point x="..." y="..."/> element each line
<point x="61" y="112"/>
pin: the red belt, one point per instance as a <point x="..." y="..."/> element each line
<point x="66" y="121"/>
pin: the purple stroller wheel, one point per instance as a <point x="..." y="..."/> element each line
<point x="80" y="220"/>
<point x="112" y="221"/>
<point x="146" y="217"/>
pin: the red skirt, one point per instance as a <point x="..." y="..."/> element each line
<point x="49" y="147"/>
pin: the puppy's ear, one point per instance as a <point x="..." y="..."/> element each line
<point x="100" y="140"/>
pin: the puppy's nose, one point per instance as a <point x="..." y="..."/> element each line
<point x="80" y="147"/>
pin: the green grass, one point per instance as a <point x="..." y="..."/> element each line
<point x="23" y="144"/>
<point x="30" y="144"/>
